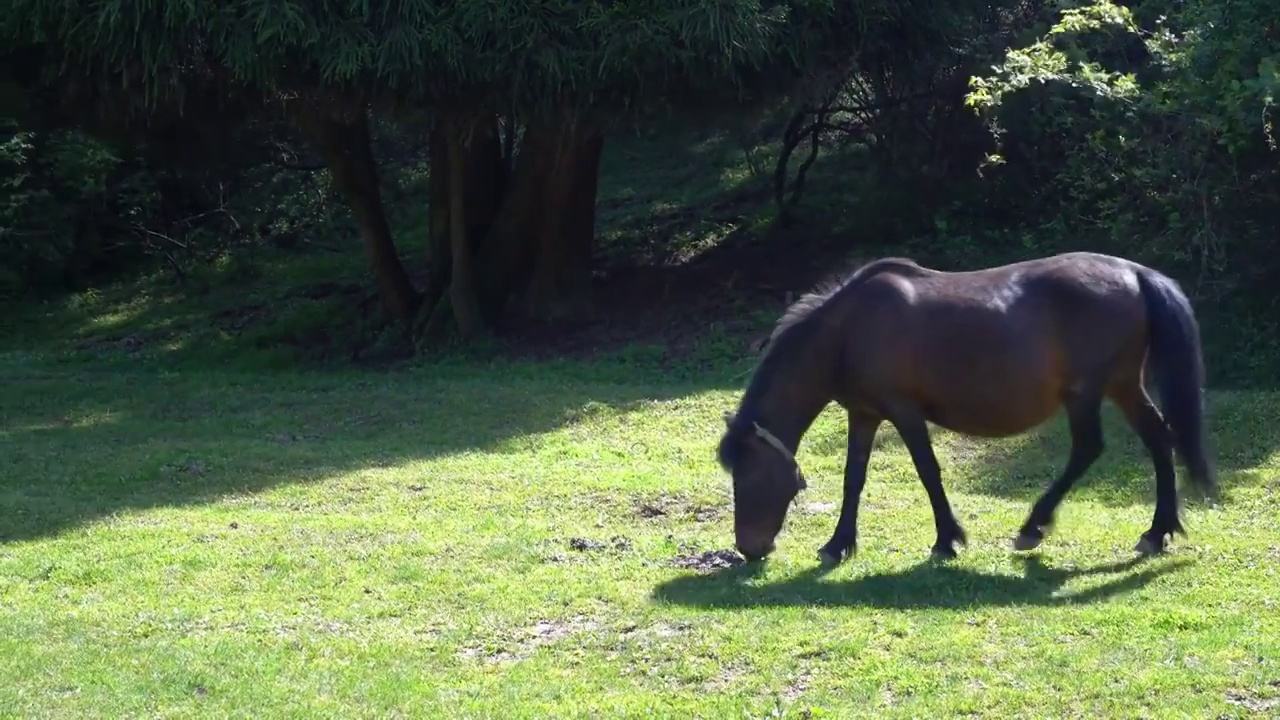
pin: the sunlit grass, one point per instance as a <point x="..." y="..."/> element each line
<point x="201" y="538"/>
<point x="505" y="542"/>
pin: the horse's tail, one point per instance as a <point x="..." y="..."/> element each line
<point x="1174" y="356"/>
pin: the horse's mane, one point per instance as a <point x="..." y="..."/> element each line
<point x="790" y="332"/>
<point x="825" y="291"/>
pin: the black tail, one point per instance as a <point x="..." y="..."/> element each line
<point x="1174" y="355"/>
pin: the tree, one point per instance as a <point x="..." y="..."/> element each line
<point x="1141" y="120"/>
<point x="902" y="97"/>
<point x="516" y="98"/>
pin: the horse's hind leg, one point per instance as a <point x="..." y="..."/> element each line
<point x="1150" y="426"/>
<point x="1084" y="416"/>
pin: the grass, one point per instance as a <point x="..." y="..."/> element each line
<point x="197" y="520"/>
<point x="507" y="541"/>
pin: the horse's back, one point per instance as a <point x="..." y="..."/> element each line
<point x="1075" y="298"/>
<point x="1089" y="305"/>
<point x="993" y="351"/>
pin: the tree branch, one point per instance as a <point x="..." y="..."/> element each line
<point x="870" y="107"/>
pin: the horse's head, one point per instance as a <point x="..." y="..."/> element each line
<point x="766" y="478"/>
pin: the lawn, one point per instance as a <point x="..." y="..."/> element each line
<point x="522" y="540"/>
<point x="206" y="511"/>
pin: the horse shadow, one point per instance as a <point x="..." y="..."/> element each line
<point x="928" y="585"/>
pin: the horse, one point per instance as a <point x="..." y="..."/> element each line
<point x="987" y="353"/>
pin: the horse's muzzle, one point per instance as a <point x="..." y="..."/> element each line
<point x="754" y="544"/>
<point x="754" y="554"/>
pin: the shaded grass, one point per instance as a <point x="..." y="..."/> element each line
<point x="664" y="197"/>
<point x="501" y="541"/>
<point x="670" y="193"/>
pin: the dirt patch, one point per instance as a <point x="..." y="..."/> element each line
<point x="524" y="642"/>
<point x="707" y="513"/>
<point x="488" y="656"/>
<point x="675" y="506"/>
<point x="798" y="685"/>
<point x="617" y="542"/>
<point x="657" y="630"/>
<point x="545" y="632"/>
<point x="725" y="679"/>
<point x="1251" y="700"/>
<point x="663" y="630"/>
<point x="651" y="510"/>
<point x="708" y="560"/>
<point x="579" y="546"/>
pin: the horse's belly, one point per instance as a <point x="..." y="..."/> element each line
<point x="995" y="409"/>
<point x="989" y="425"/>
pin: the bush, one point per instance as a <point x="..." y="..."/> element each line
<point x="1148" y="135"/>
<point x="63" y="196"/>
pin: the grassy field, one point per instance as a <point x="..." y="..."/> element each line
<point x="523" y="541"/>
<point x="206" y="510"/>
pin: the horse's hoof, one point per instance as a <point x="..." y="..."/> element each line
<point x="1026" y="541"/>
<point x="1147" y="546"/>
<point x="942" y="554"/>
<point x="827" y="556"/>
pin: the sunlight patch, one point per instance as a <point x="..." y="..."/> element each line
<point x="69" y="421"/>
<point x="117" y="316"/>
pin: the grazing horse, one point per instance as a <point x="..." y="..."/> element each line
<point x="986" y="353"/>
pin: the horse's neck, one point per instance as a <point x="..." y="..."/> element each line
<point x="796" y="395"/>
<point x="789" y="416"/>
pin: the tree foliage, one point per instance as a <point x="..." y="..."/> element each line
<point x="483" y="55"/>
<point x="1143" y="128"/>
<point x="556" y="69"/>
<point x="1150" y="122"/>
<point x="901" y="95"/>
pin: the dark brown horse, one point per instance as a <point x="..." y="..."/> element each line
<point x="987" y="353"/>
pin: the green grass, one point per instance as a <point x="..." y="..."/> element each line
<point x="199" y="520"/>
<point x="501" y="541"/>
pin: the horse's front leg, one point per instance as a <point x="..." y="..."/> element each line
<point x="915" y="435"/>
<point x="844" y="540"/>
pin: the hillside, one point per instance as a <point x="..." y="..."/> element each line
<point x="691" y="267"/>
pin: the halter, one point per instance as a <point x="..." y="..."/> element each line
<point x="776" y="444"/>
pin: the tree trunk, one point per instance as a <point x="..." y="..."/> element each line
<point x="529" y="227"/>
<point x="561" y="281"/>
<point x="462" y="283"/>
<point x="486" y="181"/>
<point x="439" y="260"/>
<point x="345" y="146"/>
<point x="510" y="249"/>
